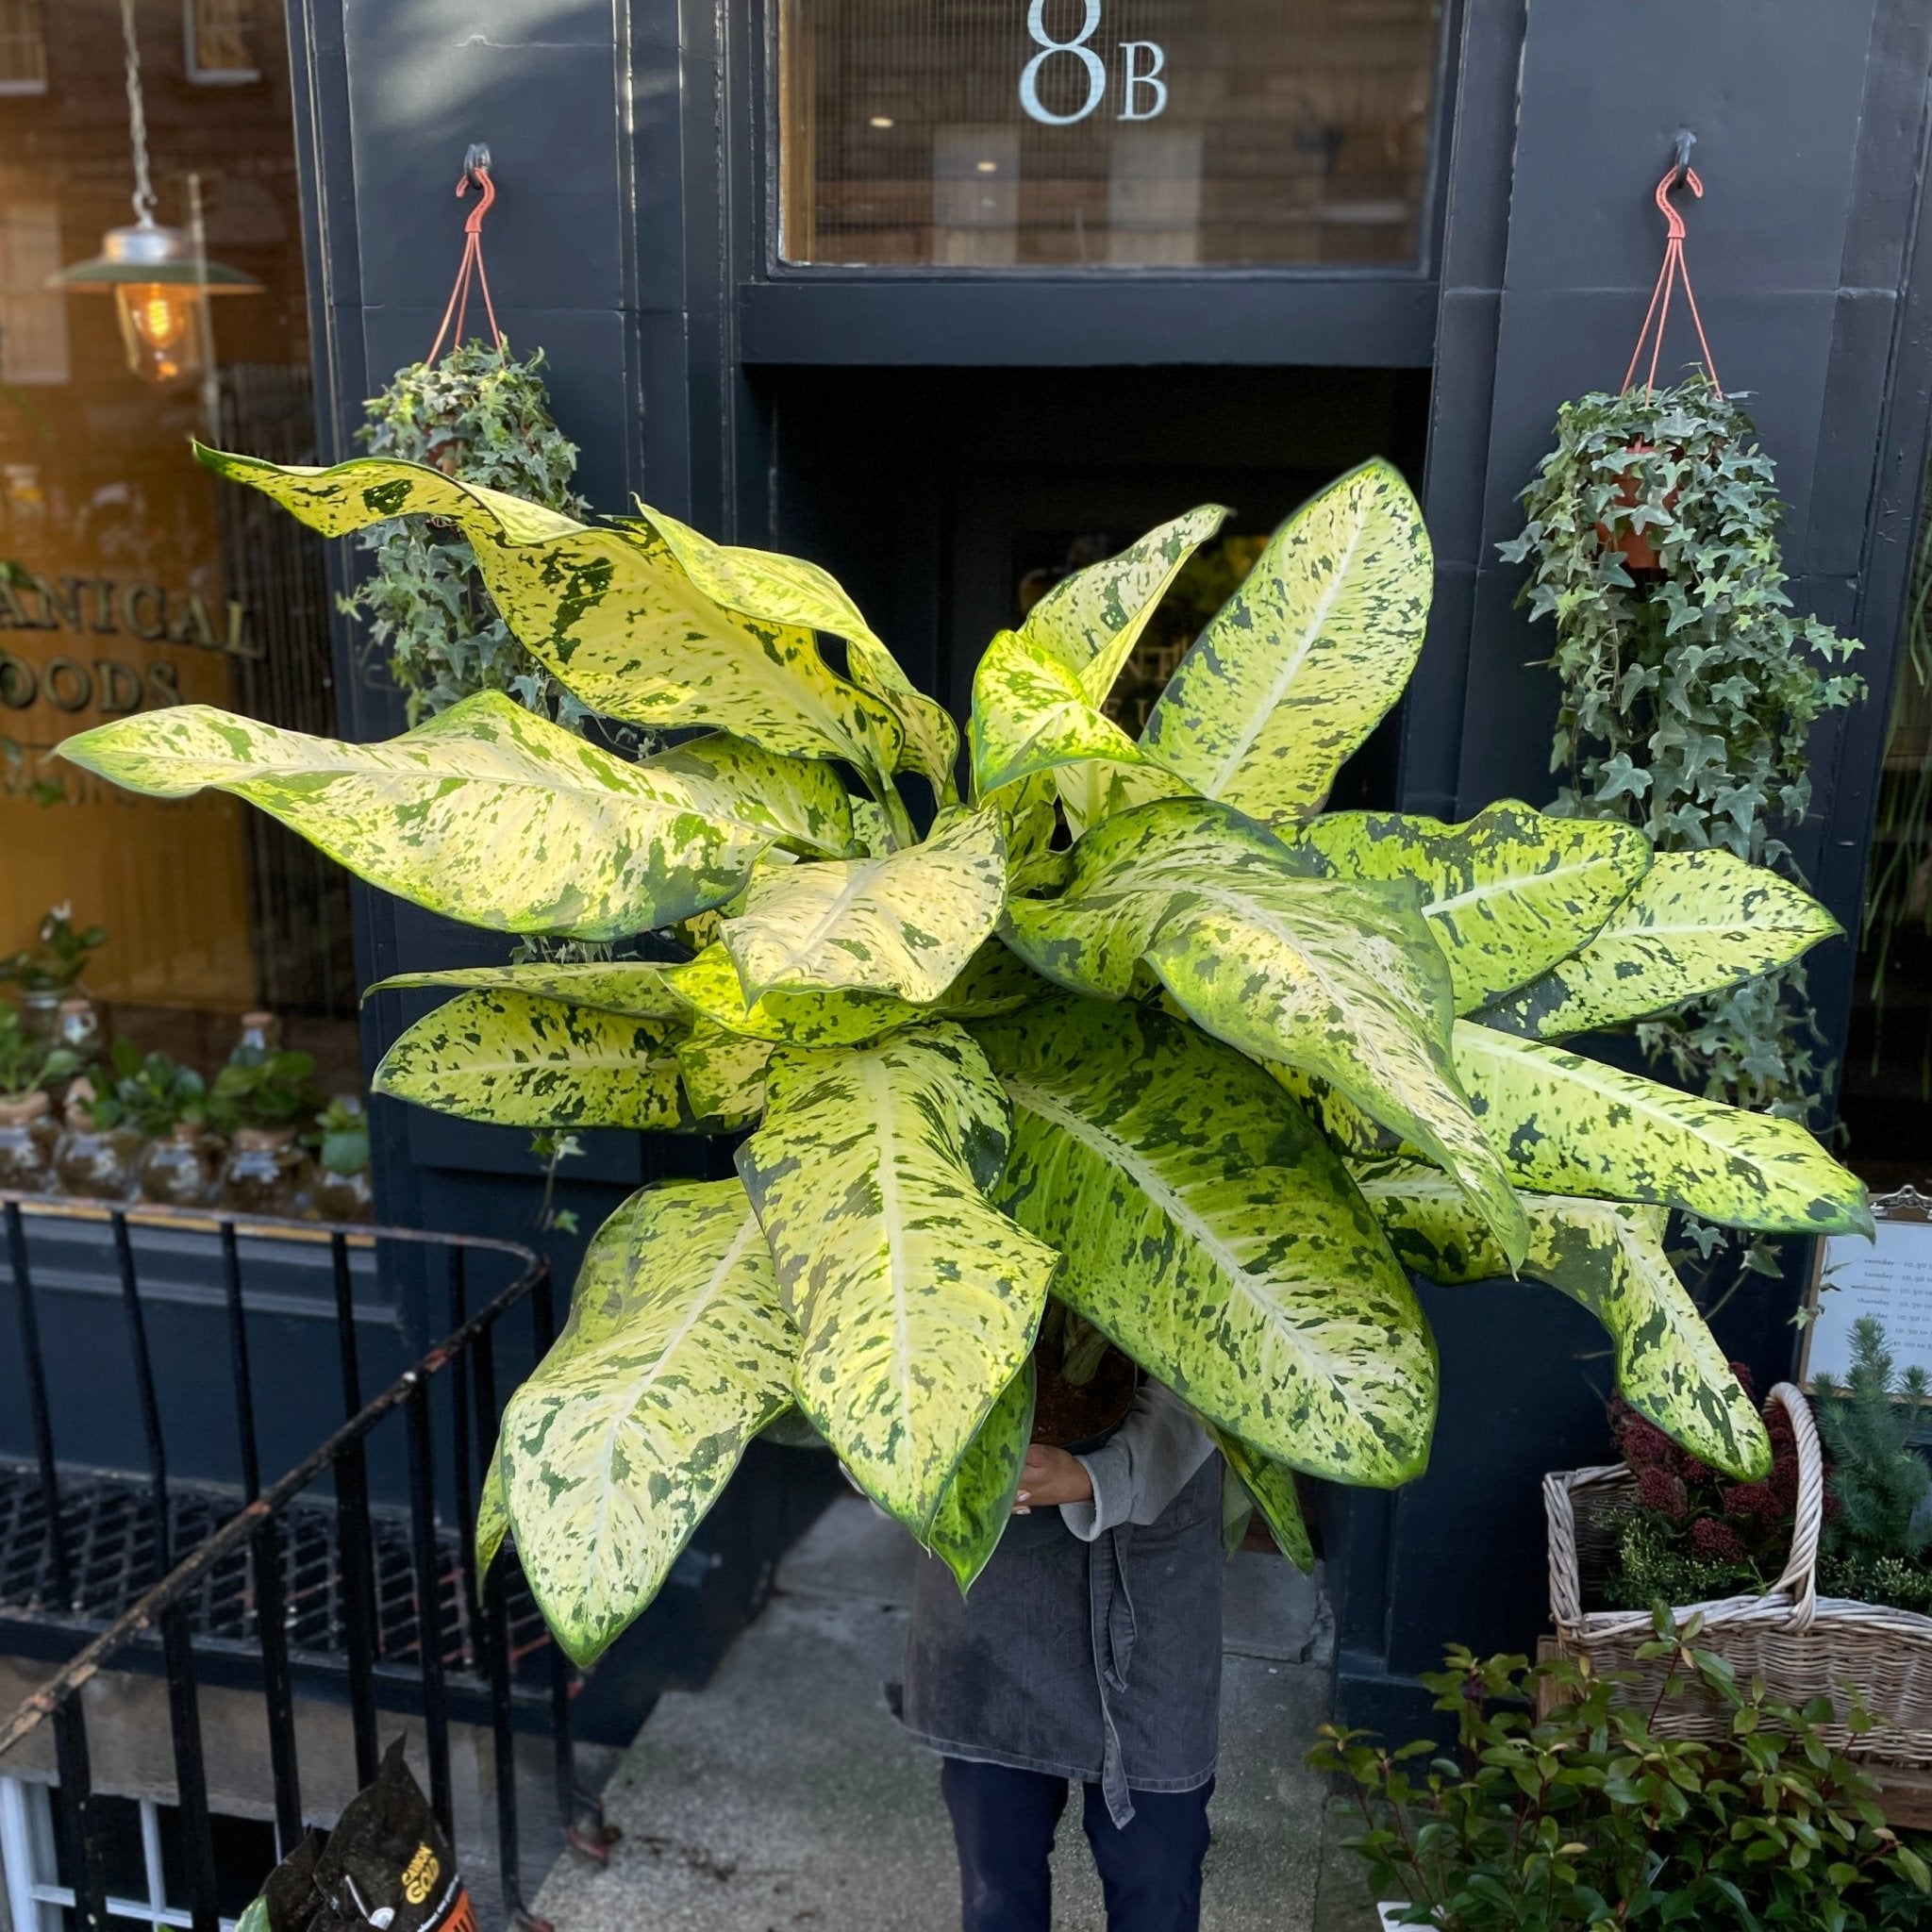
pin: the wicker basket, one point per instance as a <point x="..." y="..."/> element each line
<point x="1800" y="1645"/>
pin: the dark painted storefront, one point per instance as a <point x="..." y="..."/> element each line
<point x="913" y="428"/>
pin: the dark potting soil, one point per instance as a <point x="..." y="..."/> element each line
<point x="1066" y="1412"/>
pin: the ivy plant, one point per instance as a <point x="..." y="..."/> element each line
<point x="480" y="415"/>
<point x="1689" y="687"/>
<point x="1131" y="1026"/>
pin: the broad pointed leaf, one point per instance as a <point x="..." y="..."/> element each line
<point x="1608" y="1259"/>
<point x="487" y="813"/>
<point x="1209" y="1231"/>
<point x="775" y="589"/>
<point x="918" y="1300"/>
<point x="1270" y="1486"/>
<point x="1507" y="894"/>
<point x="724" y="1074"/>
<point x="905" y="923"/>
<point x="1299" y="665"/>
<point x="677" y="1354"/>
<point x="1091" y="620"/>
<point x="1031" y="715"/>
<point x="1340" y="979"/>
<point x="978" y="1502"/>
<point x="636" y="989"/>
<point x="1699" y="922"/>
<point x="1569" y="1126"/>
<point x="611" y="612"/>
<point x="520" y="1061"/>
<point x="492" y="1513"/>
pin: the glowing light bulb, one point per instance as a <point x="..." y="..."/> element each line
<point x="161" y="329"/>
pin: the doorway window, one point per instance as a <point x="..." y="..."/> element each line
<point x="1096" y="133"/>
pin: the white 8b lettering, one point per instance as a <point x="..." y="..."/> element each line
<point x="1077" y="47"/>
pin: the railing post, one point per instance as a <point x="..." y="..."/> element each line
<point x="352" y="1531"/>
<point x="428" y="1605"/>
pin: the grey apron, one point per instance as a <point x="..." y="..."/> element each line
<point x="1095" y="1661"/>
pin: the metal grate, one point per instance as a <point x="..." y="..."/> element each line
<point x="108" y="1523"/>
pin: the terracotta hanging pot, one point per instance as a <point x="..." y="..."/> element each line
<point x="1632" y="541"/>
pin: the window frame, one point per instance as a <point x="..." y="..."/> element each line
<point x="199" y="75"/>
<point x="14" y="89"/>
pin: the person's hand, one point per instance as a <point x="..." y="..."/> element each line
<point x="1050" y="1478"/>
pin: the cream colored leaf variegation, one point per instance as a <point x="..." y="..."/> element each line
<point x="905" y="923"/>
<point x="610" y="611"/>
<point x="977" y="1504"/>
<point x="1609" y="1258"/>
<point x="1569" y="1126"/>
<point x="1700" y="922"/>
<point x="724" y="1074"/>
<point x="1210" y="1232"/>
<point x="520" y="1061"/>
<point x="634" y="988"/>
<point x="918" y="1300"/>
<point x="486" y="813"/>
<point x="1507" y="894"/>
<point x="677" y="1354"/>
<point x="1301" y="663"/>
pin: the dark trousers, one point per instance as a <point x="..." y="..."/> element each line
<point x="1004" y="1821"/>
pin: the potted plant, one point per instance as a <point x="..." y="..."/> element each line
<point x="340" y="1141"/>
<point x="29" y="1066"/>
<point x="268" y="1100"/>
<point x="169" y="1105"/>
<point x="47" y="972"/>
<point x="1561" y="1810"/>
<point x="1134" y="1029"/>
<point x="99" y="1152"/>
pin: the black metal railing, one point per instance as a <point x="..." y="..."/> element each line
<point x="353" y="1576"/>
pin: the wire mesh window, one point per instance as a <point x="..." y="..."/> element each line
<point x="991" y="133"/>
<point x="221" y="41"/>
<point x="23" y="48"/>
<point x="33" y="317"/>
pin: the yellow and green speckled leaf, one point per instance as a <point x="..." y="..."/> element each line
<point x="487" y="813"/>
<point x="1699" y="922"/>
<point x="634" y="988"/>
<point x="1569" y="1126"/>
<point x="492" y="1513"/>
<point x="1507" y="894"/>
<point x="612" y="611"/>
<point x="724" y="1074"/>
<point x="520" y="1061"/>
<point x="977" y="1504"/>
<point x="1337" y="978"/>
<point x="677" y="1351"/>
<point x="1091" y="620"/>
<point x="1269" y="1487"/>
<point x="1299" y="665"/>
<point x="1212" y="1234"/>
<point x="788" y="590"/>
<point x="1031" y="715"/>
<point x="1609" y="1258"/>
<point x="918" y="1300"/>
<point x="905" y="923"/>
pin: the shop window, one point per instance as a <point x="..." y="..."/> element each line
<point x="221" y="41"/>
<point x="33" y="317"/>
<point x="1090" y="133"/>
<point x="130" y="578"/>
<point x="23" y="48"/>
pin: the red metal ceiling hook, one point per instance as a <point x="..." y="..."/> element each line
<point x="477" y="171"/>
<point x="1674" y="271"/>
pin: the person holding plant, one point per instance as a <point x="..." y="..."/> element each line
<point x="1088" y="1652"/>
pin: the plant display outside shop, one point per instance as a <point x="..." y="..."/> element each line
<point x="1689" y="688"/>
<point x="1561" y="1810"/>
<point x="1134" y="1028"/>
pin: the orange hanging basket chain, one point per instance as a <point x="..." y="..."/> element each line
<point x="471" y="269"/>
<point x="1674" y="271"/>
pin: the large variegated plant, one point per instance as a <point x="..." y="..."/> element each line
<point x="1133" y="1025"/>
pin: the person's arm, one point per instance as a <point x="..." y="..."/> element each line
<point x="1142" y="1467"/>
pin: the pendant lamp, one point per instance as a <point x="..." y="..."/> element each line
<point x="158" y="278"/>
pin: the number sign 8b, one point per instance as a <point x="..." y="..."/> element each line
<point x="1142" y="95"/>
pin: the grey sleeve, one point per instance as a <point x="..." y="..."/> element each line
<point x="1142" y="1467"/>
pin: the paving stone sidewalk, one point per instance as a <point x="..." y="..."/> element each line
<point x="783" y="1798"/>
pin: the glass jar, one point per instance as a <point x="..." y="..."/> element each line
<point x="260" y="1038"/>
<point x="342" y="1196"/>
<point x="28" y="1133"/>
<point x="183" y="1170"/>
<point x="98" y="1162"/>
<point x="77" y="1027"/>
<point x="40" y="1012"/>
<point x="263" y="1172"/>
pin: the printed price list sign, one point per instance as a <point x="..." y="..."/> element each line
<point x="1889" y="1278"/>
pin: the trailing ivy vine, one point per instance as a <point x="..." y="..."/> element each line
<point x="1689" y="687"/>
<point x="480" y="415"/>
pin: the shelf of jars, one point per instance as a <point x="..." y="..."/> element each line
<point x="90" y="1115"/>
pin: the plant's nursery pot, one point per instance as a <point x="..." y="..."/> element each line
<point x="1634" y="546"/>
